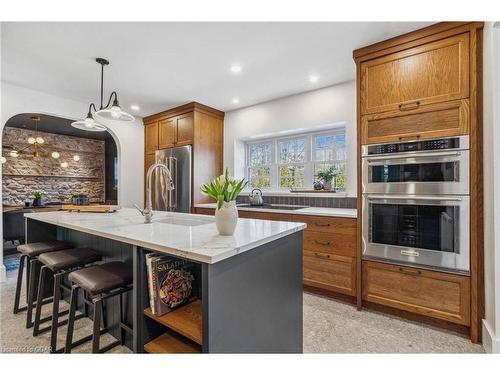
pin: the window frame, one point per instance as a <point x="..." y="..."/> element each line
<point x="309" y="158"/>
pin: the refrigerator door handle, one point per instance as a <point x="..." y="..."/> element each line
<point x="172" y="189"/>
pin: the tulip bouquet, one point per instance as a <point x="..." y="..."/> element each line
<point x="223" y="188"/>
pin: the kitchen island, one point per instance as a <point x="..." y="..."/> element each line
<point x="251" y="282"/>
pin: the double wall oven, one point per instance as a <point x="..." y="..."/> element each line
<point x="416" y="203"/>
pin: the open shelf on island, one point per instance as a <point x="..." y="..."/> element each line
<point x="171" y="343"/>
<point x="186" y="320"/>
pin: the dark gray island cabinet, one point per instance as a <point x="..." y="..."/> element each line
<point x="250" y="283"/>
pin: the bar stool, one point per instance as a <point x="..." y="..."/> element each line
<point x="29" y="252"/>
<point x="60" y="263"/>
<point x="101" y="282"/>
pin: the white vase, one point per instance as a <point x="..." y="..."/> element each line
<point x="226" y="218"/>
<point x="327" y="185"/>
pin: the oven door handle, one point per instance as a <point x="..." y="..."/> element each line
<point x="413" y="155"/>
<point x="409" y="197"/>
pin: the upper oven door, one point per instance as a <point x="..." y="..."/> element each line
<point x="435" y="172"/>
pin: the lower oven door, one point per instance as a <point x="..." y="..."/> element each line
<point x="420" y="230"/>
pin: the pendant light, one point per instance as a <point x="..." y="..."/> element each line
<point x="110" y="111"/>
<point x="35" y="141"/>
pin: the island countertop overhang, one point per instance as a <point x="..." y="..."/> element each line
<point x="200" y="242"/>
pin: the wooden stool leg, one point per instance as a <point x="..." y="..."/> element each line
<point x="31" y="292"/>
<point x="19" y="284"/>
<point x="97" y="326"/>
<point x="55" y="313"/>
<point x="38" y="310"/>
<point x="71" y="318"/>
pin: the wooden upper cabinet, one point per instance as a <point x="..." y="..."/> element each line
<point x="185" y="129"/>
<point x="432" y="121"/>
<point x="430" y="73"/>
<point x="151" y="137"/>
<point x="176" y="131"/>
<point x="167" y="133"/>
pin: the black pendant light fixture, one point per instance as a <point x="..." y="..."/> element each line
<point x="110" y="111"/>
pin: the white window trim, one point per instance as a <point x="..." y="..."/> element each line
<point x="309" y="161"/>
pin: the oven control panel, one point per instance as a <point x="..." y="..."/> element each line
<point x="427" y="145"/>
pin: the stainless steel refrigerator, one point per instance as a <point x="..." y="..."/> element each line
<point x="178" y="161"/>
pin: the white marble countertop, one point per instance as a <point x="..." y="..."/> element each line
<point x="318" y="211"/>
<point x="167" y="234"/>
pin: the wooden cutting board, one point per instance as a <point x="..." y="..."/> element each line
<point x="91" y="208"/>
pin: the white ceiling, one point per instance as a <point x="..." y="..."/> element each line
<point x="161" y="65"/>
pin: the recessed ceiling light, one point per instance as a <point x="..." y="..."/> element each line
<point x="236" y="100"/>
<point x="135" y="107"/>
<point x="236" y="68"/>
<point x="313" y="79"/>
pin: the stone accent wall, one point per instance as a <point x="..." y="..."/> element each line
<point x="24" y="175"/>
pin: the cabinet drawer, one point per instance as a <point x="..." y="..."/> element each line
<point x="264" y="215"/>
<point x="430" y="73"/>
<point x="432" y="121"/>
<point x="332" y="272"/>
<point x="339" y="244"/>
<point x="430" y="293"/>
<point x="328" y="224"/>
<point x="204" y="211"/>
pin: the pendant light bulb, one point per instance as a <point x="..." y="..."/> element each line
<point x="76" y="157"/>
<point x="31" y="140"/>
<point x="3" y="159"/>
<point x="14" y="154"/>
<point x="55" y="155"/>
<point x="40" y="140"/>
<point x="64" y="164"/>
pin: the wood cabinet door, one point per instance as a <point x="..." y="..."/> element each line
<point x="431" y="121"/>
<point x="332" y="272"/>
<point x="430" y="73"/>
<point x="185" y="129"/>
<point x="429" y="293"/>
<point x="151" y="137"/>
<point x="167" y="132"/>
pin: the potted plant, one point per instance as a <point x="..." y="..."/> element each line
<point x="224" y="190"/>
<point x="38" y="198"/>
<point x="327" y="176"/>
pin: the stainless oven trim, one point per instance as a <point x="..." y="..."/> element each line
<point x="448" y="187"/>
<point x="442" y="260"/>
<point x="463" y="145"/>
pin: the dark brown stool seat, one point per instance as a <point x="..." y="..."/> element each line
<point x="102" y="278"/>
<point x="28" y="253"/>
<point x="36" y="248"/>
<point x="101" y="282"/>
<point x="59" y="263"/>
<point x="70" y="258"/>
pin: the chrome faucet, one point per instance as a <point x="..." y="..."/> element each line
<point x="148" y="211"/>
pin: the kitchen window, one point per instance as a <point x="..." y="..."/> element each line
<point x="294" y="162"/>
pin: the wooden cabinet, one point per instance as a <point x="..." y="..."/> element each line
<point x="330" y="255"/>
<point x="191" y="124"/>
<point x="430" y="73"/>
<point x="421" y="85"/>
<point x="431" y="121"/>
<point x="436" y="294"/>
<point x="331" y="272"/>
<point x="176" y="131"/>
<point x="167" y="133"/>
<point x="150" y="137"/>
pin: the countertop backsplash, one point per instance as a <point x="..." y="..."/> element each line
<point x="330" y="202"/>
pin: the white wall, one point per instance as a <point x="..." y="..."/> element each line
<point x="129" y="136"/>
<point x="317" y="108"/>
<point x="491" y="163"/>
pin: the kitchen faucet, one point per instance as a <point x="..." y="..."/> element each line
<point x="147" y="212"/>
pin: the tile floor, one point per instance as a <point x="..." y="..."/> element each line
<point x="329" y="327"/>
